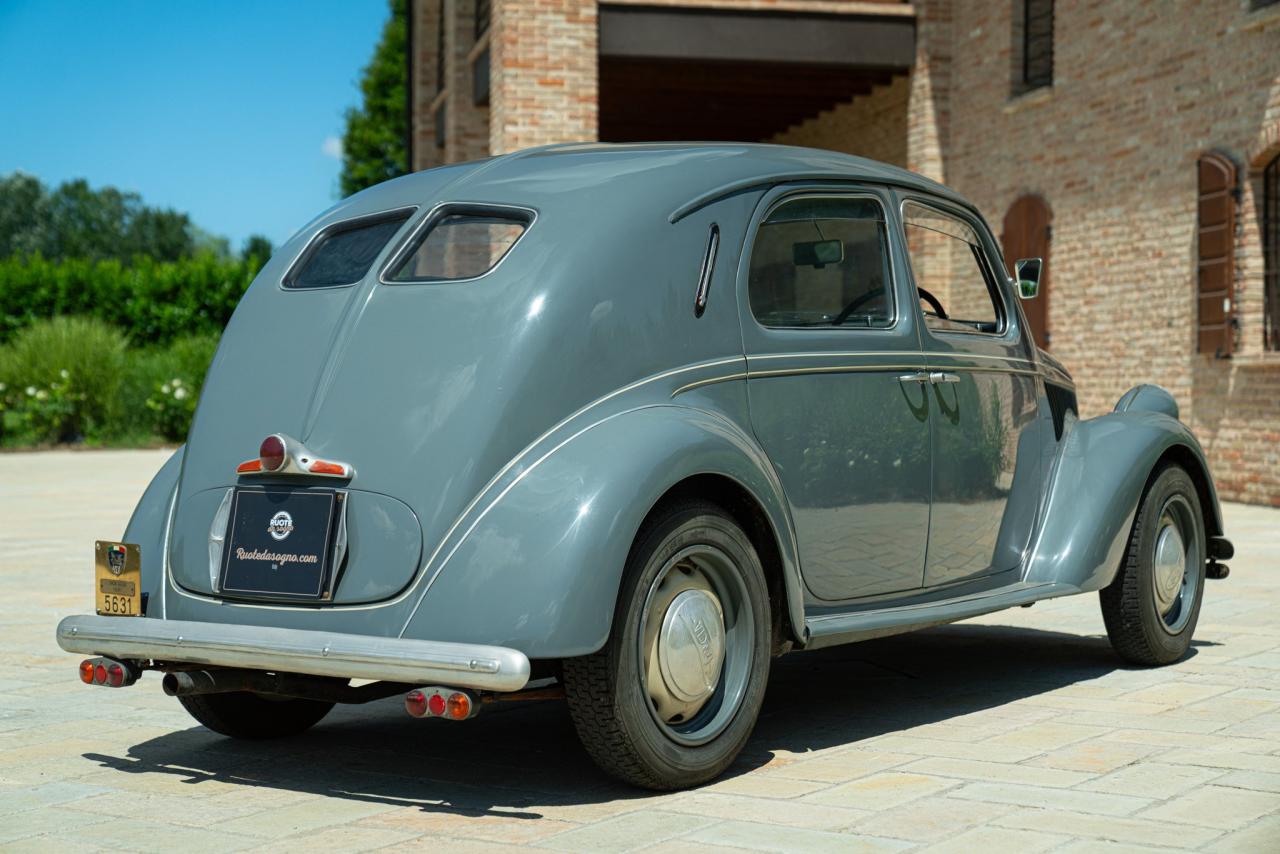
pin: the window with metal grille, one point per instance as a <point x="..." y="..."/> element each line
<point x="1215" y="254"/>
<point x="1037" y="44"/>
<point x="1271" y="249"/>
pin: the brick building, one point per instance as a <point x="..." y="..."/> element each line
<point x="1135" y="144"/>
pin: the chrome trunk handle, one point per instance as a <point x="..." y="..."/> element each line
<point x="939" y="377"/>
<point x="917" y="377"/>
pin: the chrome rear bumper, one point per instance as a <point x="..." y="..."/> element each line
<point x="485" y="668"/>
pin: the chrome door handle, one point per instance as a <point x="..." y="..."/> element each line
<point x="917" y="377"/>
<point x="939" y="377"/>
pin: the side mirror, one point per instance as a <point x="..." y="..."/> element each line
<point x="1027" y="272"/>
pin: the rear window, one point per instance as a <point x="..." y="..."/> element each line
<point x="344" y="253"/>
<point x="460" y="245"/>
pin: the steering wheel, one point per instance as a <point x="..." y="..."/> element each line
<point x="933" y="303"/>
<point x="857" y="303"/>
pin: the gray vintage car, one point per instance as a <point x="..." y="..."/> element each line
<point x="620" y="424"/>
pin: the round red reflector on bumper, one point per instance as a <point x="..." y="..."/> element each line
<point x="100" y="675"/>
<point x="436" y="705"/>
<point x="86" y="671"/>
<point x="115" y="675"/>
<point x="272" y="453"/>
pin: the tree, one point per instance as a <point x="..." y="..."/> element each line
<point x="21" y="198"/>
<point x="257" y="246"/>
<point x="77" y="221"/>
<point x="373" y="145"/>
<point x="257" y="251"/>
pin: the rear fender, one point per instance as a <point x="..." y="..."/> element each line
<point x="541" y="568"/>
<point x="1098" y="478"/>
<point x="148" y="527"/>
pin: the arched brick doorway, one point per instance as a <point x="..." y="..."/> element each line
<point x="1027" y="232"/>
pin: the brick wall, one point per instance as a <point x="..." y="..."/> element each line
<point x="544" y="73"/>
<point x="873" y="125"/>
<point x="466" y="123"/>
<point x="424" y="27"/>
<point x="1140" y="91"/>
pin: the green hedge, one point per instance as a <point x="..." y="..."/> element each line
<point x="150" y="302"/>
<point x="73" y="379"/>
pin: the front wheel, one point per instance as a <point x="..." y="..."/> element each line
<point x="673" y="696"/>
<point x="1152" y="606"/>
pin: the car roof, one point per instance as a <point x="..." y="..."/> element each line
<point x="683" y="176"/>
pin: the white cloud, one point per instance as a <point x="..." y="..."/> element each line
<point x="332" y="147"/>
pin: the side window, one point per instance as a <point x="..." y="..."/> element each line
<point x="822" y="261"/>
<point x="460" y="246"/>
<point x="957" y="291"/>
<point x="344" y="253"/>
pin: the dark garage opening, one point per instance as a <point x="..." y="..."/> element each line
<point x="699" y="74"/>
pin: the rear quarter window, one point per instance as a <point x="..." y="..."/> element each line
<point x="461" y="243"/>
<point x="343" y="253"/>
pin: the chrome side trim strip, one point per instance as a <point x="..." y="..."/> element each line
<point x="832" y="369"/>
<point x="915" y="354"/>
<point x="855" y="368"/>
<point x="712" y="381"/>
<point x="860" y="625"/>
<point x="887" y="368"/>
<point x="486" y="668"/>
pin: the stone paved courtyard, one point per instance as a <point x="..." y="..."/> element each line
<point x="1018" y="731"/>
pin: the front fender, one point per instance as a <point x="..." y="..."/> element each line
<point x="1098" y="479"/>
<point x="149" y="523"/>
<point x="540" y="570"/>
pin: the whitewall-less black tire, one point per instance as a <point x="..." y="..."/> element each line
<point x="1152" y="606"/>
<point x="674" y="694"/>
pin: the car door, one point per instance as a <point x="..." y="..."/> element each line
<point x="986" y="430"/>
<point x="834" y="384"/>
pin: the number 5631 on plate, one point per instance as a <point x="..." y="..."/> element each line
<point x="117" y="579"/>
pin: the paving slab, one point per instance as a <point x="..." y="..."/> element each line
<point x="1014" y="731"/>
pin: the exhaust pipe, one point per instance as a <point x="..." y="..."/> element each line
<point x="188" y="683"/>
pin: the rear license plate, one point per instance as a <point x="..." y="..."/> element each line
<point x="117" y="579"/>
<point x="279" y="543"/>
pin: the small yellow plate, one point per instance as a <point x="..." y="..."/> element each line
<point x="117" y="582"/>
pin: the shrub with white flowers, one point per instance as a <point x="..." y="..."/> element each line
<point x="173" y="404"/>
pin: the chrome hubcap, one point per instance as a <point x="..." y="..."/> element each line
<point x="691" y="645"/>
<point x="1170" y="566"/>
<point x="686" y="650"/>
<point x="1176" y="563"/>
<point x="696" y="641"/>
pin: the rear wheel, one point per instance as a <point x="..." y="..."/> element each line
<point x="673" y="696"/>
<point x="240" y="714"/>
<point x="1152" y="606"/>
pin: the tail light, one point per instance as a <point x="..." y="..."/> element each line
<point x="109" y="672"/>
<point x="281" y="454"/>
<point x="453" y="704"/>
<point x="415" y="703"/>
<point x="272" y="453"/>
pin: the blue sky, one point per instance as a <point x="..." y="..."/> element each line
<point x="230" y="111"/>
